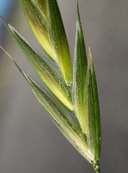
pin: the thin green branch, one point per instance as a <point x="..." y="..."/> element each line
<point x="97" y="167"/>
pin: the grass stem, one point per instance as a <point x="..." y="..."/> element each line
<point x="96" y="167"/>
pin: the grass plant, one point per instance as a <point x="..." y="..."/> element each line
<point x="81" y="98"/>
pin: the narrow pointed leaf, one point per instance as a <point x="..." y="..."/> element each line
<point x="80" y="78"/>
<point x="37" y="16"/>
<point x="51" y="77"/>
<point x="45" y="20"/>
<point x="62" y="120"/>
<point x="94" y="140"/>
<point x="59" y="41"/>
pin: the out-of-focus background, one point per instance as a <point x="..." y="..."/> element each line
<point x="29" y="141"/>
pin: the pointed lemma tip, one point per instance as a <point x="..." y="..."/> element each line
<point x="10" y="58"/>
<point x="90" y="54"/>
<point x="7" y="53"/>
<point x="78" y="5"/>
<point x="1" y="18"/>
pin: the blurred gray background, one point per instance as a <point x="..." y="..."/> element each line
<point x="29" y="141"/>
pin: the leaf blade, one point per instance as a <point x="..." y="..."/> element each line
<point x="36" y="15"/>
<point x="61" y="119"/>
<point x="94" y="112"/>
<point x="45" y="20"/>
<point x="59" y="41"/>
<point x="50" y="76"/>
<point x="80" y="77"/>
